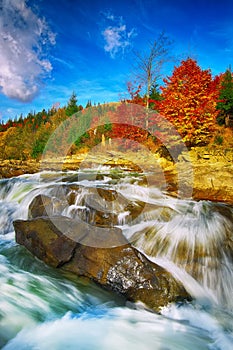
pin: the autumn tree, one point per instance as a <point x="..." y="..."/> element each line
<point x="129" y="126"/>
<point x="189" y="102"/>
<point x="225" y="103"/>
<point x="13" y="144"/>
<point x="134" y="91"/>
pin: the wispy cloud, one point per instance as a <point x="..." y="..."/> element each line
<point x="117" y="37"/>
<point x="224" y="34"/>
<point x="24" y="40"/>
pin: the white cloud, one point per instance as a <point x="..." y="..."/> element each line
<point x="24" y="40"/>
<point x="116" y="36"/>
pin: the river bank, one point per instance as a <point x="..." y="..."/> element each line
<point x="200" y="173"/>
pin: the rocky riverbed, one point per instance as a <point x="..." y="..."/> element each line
<point x="200" y="173"/>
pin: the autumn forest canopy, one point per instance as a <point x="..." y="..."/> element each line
<point x="198" y="106"/>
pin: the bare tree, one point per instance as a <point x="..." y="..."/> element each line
<point x="149" y="64"/>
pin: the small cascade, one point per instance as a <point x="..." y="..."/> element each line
<point x="8" y="214"/>
<point x="198" y="238"/>
<point x="101" y="206"/>
<point x="122" y="218"/>
<point x="77" y="205"/>
<point x="15" y="196"/>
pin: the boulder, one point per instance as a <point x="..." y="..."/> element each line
<point x="102" y="255"/>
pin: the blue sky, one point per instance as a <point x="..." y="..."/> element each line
<point x="50" y="48"/>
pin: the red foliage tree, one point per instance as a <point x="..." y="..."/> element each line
<point x="134" y="92"/>
<point x="189" y="100"/>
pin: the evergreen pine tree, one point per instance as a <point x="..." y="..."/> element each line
<point x="89" y="104"/>
<point x="154" y="96"/>
<point x="72" y="106"/>
<point x="225" y="104"/>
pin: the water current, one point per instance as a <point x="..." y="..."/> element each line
<point x="41" y="308"/>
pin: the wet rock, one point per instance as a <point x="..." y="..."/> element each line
<point x="43" y="205"/>
<point x="102" y="207"/>
<point x="72" y="197"/>
<point x="101" y="254"/>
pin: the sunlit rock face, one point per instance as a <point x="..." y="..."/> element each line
<point x="210" y="178"/>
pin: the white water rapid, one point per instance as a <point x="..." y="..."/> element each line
<point x="43" y="309"/>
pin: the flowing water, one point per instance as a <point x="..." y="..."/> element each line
<point x="40" y="308"/>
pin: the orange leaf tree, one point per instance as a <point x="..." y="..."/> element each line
<point x="189" y="102"/>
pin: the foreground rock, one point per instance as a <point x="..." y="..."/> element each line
<point x="101" y="254"/>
